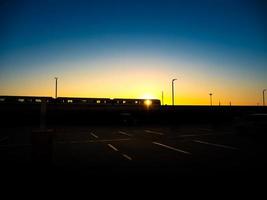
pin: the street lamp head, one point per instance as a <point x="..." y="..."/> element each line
<point x="210" y="94"/>
<point x="174" y="79"/>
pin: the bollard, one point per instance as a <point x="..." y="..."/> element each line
<point x="42" y="141"/>
<point x="43" y="115"/>
<point x="42" y="147"/>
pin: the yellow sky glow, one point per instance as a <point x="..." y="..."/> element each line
<point x="134" y="79"/>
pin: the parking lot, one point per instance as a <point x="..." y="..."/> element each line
<point x="171" y="151"/>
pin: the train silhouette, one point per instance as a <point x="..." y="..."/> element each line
<point x="152" y="103"/>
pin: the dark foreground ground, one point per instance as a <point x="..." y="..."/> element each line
<point x="199" y="150"/>
<point x="189" y="145"/>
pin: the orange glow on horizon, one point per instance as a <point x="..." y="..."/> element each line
<point x="144" y="79"/>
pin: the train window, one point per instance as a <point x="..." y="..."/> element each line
<point x="136" y="102"/>
<point x="84" y="101"/>
<point x="2" y="99"/>
<point x="20" y="100"/>
<point x="123" y="101"/>
<point x="70" y="101"/>
<point x="38" y="100"/>
<point x="98" y="101"/>
<point x="118" y="102"/>
<point x="105" y="101"/>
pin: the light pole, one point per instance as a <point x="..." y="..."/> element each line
<point x="173" y="90"/>
<point x="263" y="98"/>
<point x="162" y="98"/>
<point x="56" y="87"/>
<point x="210" y="99"/>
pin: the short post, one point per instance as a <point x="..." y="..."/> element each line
<point x="43" y="115"/>
<point x="42" y="141"/>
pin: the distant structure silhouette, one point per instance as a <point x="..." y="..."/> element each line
<point x="173" y="90"/>
<point x="162" y="97"/>
<point x="210" y="99"/>
<point x="263" y="97"/>
<point x="56" y="87"/>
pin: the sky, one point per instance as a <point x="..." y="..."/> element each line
<point x="134" y="48"/>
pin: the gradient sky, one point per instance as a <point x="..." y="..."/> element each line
<point x="133" y="48"/>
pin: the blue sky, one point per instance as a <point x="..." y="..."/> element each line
<point x="220" y="38"/>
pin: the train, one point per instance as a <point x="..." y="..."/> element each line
<point x="151" y="103"/>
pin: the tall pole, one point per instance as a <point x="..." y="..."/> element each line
<point x="162" y="98"/>
<point x="173" y="90"/>
<point x="210" y="99"/>
<point x="263" y="97"/>
<point x="56" y="87"/>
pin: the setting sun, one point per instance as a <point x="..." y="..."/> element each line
<point x="148" y="96"/>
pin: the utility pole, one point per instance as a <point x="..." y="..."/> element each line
<point x="56" y="87"/>
<point x="263" y="97"/>
<point x="162" y="98"/>
<point x="210" y="99"/>
<point x="173" y="90"/>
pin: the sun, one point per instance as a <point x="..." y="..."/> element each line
<point x="147" y="96"/>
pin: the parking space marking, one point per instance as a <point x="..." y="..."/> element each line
<point x="93" y="141"/>
<point x="3" y="139"/>
<point x="172" y="148"/>
<point x="195" y="135"/>
<point x="154" y="132"/>
<point x="112" y="147"/>
<point x="15" y="145"/>
<point x="124" y="133"/>
<point x="112" y="140"/>
<point x="216" y="145"/>
<point x="205" y="129"/>
<point x="95" y="136"/>
<point x="126" y="156"/>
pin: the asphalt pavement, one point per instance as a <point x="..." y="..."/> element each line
<point x="132" y="151"/>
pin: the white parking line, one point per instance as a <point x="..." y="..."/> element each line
<point x="216" y="145"/>
<point x="94" y="135"/>
<point x="16" y="145"/>
<point x="92" y="141"/>
<point x="194" y="135"/>
<point x="124" y="133"/>
<point x="112" y="147"/>
<point x="205" y="129"/>
<point x="172" y="148"/>
<point x="4" y="138"/>
<point x="126" y="156"/>
<point x="112" y="140"/>
<point x="154" y="132"/>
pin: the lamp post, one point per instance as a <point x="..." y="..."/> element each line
<point x="162" y="98"/>
<point x="56" y="87"/>
<point x="210" y="99"/>
<point x="263" y="97"/>
<point x="173" y="90"/>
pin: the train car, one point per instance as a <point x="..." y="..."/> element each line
<point x="153" y="103"/>
<point x="84" y="101"/>
<point x="98" y="102"/>
<point x="25" y="99"/>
